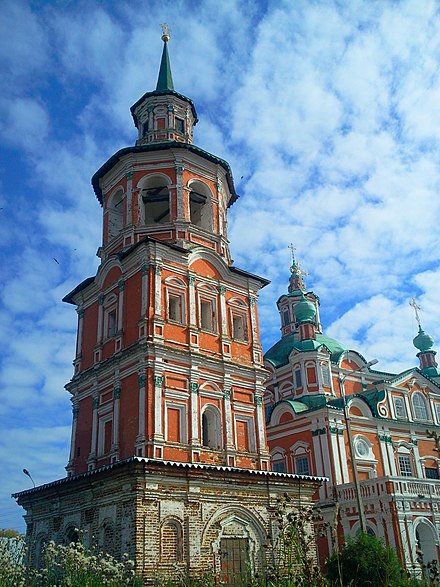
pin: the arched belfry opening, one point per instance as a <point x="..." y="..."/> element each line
<point x="155" y="198"/>
<point x="200" y="205"/>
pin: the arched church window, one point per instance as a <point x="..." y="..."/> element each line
<point x="211" y="427"/>
<point x="419" y="405"/>
<point x="156" y="200"/>
<point x="180" y="125"/>
<point x="71" y="535"/>
<point x="171" y="541"/>
<point x="115" y="209"/>
<point x="108" y="538"/>
<point x="200" y="206"/>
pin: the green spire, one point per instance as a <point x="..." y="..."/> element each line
<point x="165" y="79"/>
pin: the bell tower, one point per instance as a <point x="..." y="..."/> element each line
<point x="168" y="362"/>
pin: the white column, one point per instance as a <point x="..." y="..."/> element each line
<point x="157" y="291"/>
<point x="75" y="411"/>
<point x="179" y="194"/>
<point x="223" y="311"/>
<point x="144" y="298"/>
<point x="94" y="428"/>
<point x="100" y="318"/>
<point x="384" y="455"/>
<point x="391" y="456"/>
<point x="129" y="177"/>
<point x="253" y="320"/>
<point x="121" y="285"/>
<point x="158" y="431"/>
<point x="416" y="453"/>
<point x="228" y="418"/>
<point x="261" y="448"/>
<point x="194" y="407"/>
<point x="336" y="458"/>
<point x="192" y="301"/>
<point x="80" y="332"/>
<point x="141" y="424"/>
<point x="344" y="464"/>
<point x="116" y="398"/>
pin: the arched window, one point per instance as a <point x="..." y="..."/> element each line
<point x="200" y="206"/>
<point x="108" y="538"/>
<point x="156" y="200"/>
<point x="71" y="535"/>
<point x="171" y="541"/>
<point x="419" y="405"/>
<point x="211" y="427"/>
<point x="115" y="214"/>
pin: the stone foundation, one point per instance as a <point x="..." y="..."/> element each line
<point x="168" y="517"/>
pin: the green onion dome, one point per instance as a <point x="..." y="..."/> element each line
<point x="424" y="342"/>
<point x="305" y="311"/>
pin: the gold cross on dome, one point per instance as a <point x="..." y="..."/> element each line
<point x="292" y="251"/>
<point x="165" y="32"/>
<point x="416" y="309"/>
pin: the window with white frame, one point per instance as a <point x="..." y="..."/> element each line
<point x="175" y="294"/>
<point x="239" y="330"/>
<point x="207" y="314"/>
<point x="244" y="433"/>
<point x="325" y="374"/>
<point x="362" y="448"/>
<point x="302" y="465"/>
<point x="285" y="316"/>
<point x="176" y="423"/>
<point x="405" y="465"/>
<point x="301" y="457"/>
<point x="175" y="307"/>
<point x="278" y="460"/>
<point x="298" y="378"/>
<point x="437" y="412"/>
<point x="110" y="316"/>
<point x="238" y="319"/>
<point x="419" y="407"/>
<point x="105" y="434"/>
<point x="211" y="427"/>
<point x="399" y="406"/>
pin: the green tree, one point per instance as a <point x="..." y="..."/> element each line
<point x="367" y="562"/>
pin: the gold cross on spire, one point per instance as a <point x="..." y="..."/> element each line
<point x="416" y="309"/>
<point x="165" y="32"/>
<point x="292" y="252"/>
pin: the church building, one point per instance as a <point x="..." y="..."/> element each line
<point x="169" y="459"/>
<point x="374" y="435"/>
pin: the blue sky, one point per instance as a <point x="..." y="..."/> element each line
<point x="327" y="111"/>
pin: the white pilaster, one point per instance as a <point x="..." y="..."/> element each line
<point x="121" y="285"/>
<point x="129" y="177"/>
<point x="100" y="319"/>
<point x="158" y="429"/>
<point x="80" y="332"/>
<point x="157" y="291"/>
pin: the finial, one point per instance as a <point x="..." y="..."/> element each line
<point x="292" y="252"/>
<point x="296" y="278"/>
<point x="165" y="32"/>
<point x="416" y="308"/>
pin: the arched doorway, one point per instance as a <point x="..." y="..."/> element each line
<point x="427" y="541"/>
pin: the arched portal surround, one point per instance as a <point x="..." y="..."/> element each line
<point x="236" y="537"/>
<point x="426" y="538"/>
